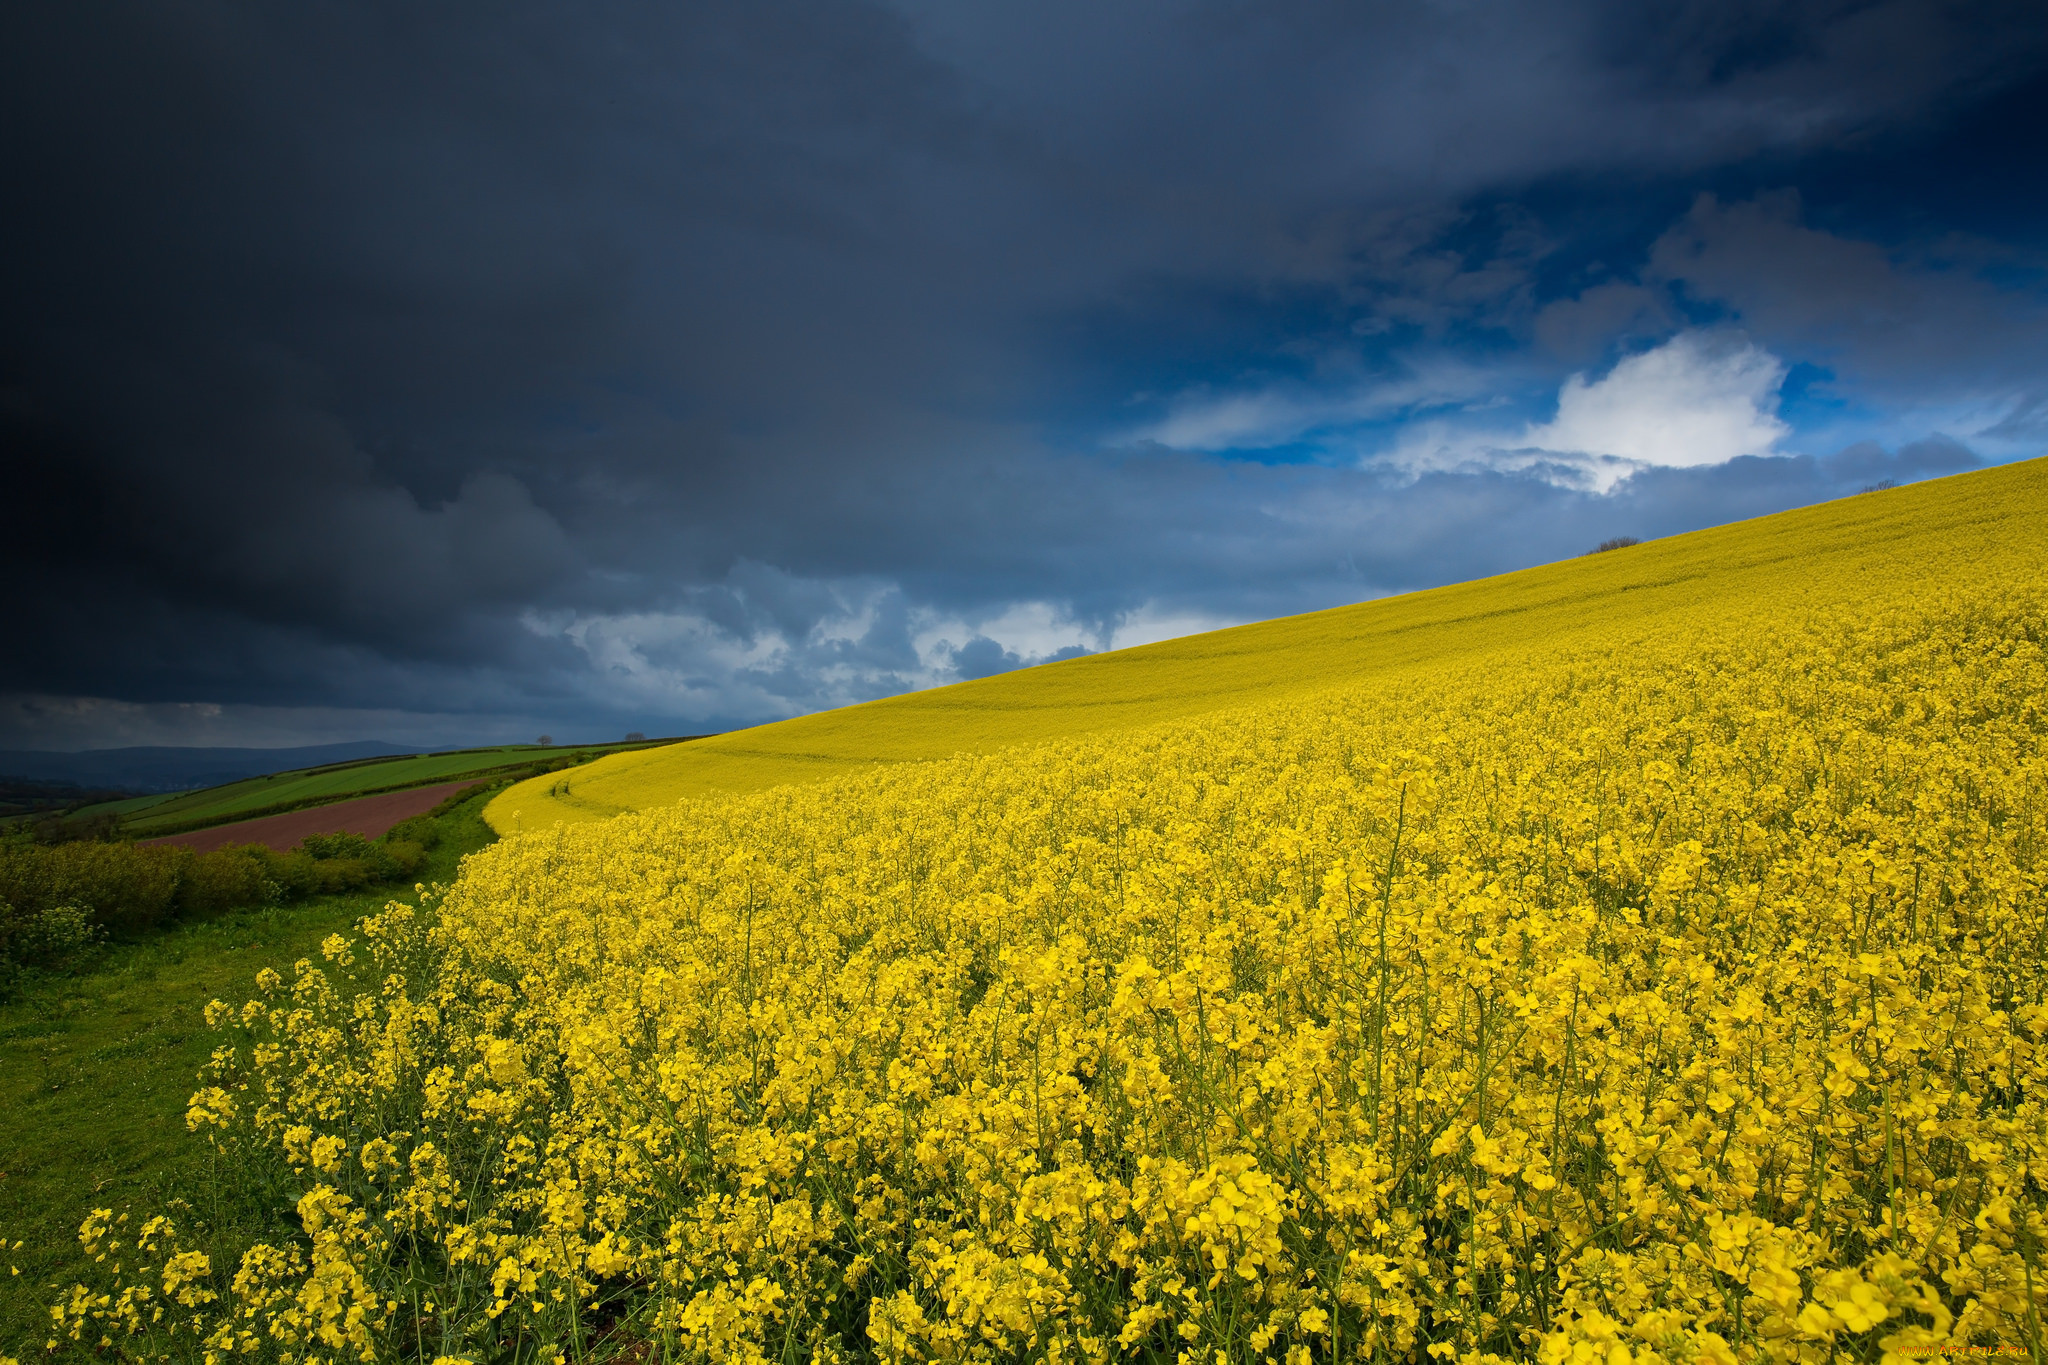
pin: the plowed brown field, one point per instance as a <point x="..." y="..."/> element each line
<point x="368" y="816"/>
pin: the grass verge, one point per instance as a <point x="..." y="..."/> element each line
<point x="96" y="1067"/>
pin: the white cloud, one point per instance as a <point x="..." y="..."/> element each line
<point x="1035" y="631"/>
<point x="692" y="669"/>
<point x="768" y="645"/>
<point x="1030" y="630"/>
<point x="1701" y="398"/>
<point x="695" y="670"/>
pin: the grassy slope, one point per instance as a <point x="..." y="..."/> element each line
<point x="129" y="805"/>
<point x="95" y="1071"/>
<point x="319" y="784"/>
<point x="217" y="805"/>
<point x="1648" y="586"/>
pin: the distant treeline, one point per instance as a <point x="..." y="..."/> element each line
<point x="58" y="901"/>
<point x="28" y="795"/>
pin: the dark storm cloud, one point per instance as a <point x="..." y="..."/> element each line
<point x="1910" y="322"/>
<point x="677" y="366"/>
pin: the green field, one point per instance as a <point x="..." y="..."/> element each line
<point x="145" y="817"/>
<point x="1380" y="640"/>
<point x="131" y="805"/>
<point x="95" y="1070"/>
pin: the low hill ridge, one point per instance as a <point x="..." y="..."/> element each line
<point x="169" y="768"/>
<point x="1915" y="531"/>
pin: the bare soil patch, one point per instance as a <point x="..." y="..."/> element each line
<point x="368" y="816"/>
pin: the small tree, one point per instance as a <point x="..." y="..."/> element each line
<point x="545" y="739"/>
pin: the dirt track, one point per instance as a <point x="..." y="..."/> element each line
<point x="368" y="816"/>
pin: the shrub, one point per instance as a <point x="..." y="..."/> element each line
<point x="126" y="888"/>
<point x="55" y="939"/>
<point x="405" y="855"/>
<point x="338" y="845"/>
<point x="58" y="937"/>
<point x="226" y="878"/>
<point x="333" y="876"/>
<point x="421" y="830"/>
<point x="296" y="872"/>
<point x="1614" y="543"/>
<point x="123" y="886"/>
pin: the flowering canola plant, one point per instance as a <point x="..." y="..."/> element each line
<point x="1674" y="995"/>
<point x="1926" y="532"/>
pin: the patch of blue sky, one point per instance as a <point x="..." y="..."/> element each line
<point x="1809" y="398"/>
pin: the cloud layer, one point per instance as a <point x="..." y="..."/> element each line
<point x="458" y="373"/>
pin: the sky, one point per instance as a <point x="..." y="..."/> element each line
<point x="457" y="372"/>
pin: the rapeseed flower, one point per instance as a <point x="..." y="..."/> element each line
<point x="1671" y="996"/>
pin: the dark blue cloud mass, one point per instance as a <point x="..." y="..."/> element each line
<point x="463" y="372"/>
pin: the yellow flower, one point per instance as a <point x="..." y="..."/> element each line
<point x="506" y="1062"/>
<point x="1654" y="975"/>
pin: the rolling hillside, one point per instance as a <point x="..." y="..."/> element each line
<point x="1653" y="587"/>
<point x="288" y="790"/>
<point x="147" y="817"/>
<point x="1527" y="971"/>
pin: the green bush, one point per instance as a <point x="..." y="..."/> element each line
<point x="296" y="874"/>
<point x="126" y="887"/>
<point x="336" y="875"/>
<point x="423" y="830"/>
<point x="57" y="938"/>
<point x="227" y="878"/>
<point x="338" y="845"/>
<point x="344" y="861"/>
<point x="121" y="889"/>
<point x="405" y="855"/>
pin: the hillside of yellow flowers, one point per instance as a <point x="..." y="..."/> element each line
<point x="1831" y="547"/>
<point x="1667" y="989"/>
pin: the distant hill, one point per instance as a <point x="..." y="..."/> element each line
<point x="166" y="768"/>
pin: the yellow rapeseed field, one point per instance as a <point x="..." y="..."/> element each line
<point x="1664" y="988"/>
<point x="1918" y="532"/>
